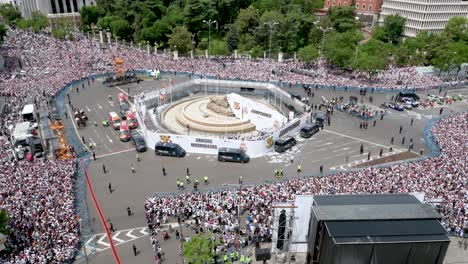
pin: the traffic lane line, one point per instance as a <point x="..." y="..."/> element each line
<point x="115" y="153"/>
<point x="358" y="139"/>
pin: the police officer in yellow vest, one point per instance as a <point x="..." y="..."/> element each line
<point x="233" y="256"/>
<point x="247" y="260"/>
<point x="299" y="168"/>
<point x="242" y="259"/>
<point x="276" y="172"/>
<point x="225" y="258"/>
<point x="205" y="179"/>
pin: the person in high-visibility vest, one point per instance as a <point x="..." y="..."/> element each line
<point x="225" y="258"/>
<point x="181" y="185"/>
<point x="247" y="259"/>
<point x="299" y="168"/>
<point x="205" y="179"/>
<point x="276" y="172"/>
<point x="187" y="178"/>
<point x="233" y="256"/>
<point x="242" y="259"/>
<point x="178" y="183"/>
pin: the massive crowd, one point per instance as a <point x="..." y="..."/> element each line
<point x="39" y="196"/>
<point x="441" y="177"/>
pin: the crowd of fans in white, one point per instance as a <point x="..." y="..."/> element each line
<point x="441" y="177"/>
<point x="38" y="196"/>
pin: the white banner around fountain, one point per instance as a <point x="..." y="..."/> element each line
<point x="262" y="116"/>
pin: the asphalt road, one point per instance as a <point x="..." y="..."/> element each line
<point x="329" y="148"/>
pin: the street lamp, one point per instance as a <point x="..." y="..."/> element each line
<point x="209" y="22"/>
<point x="323" y="29"/>
<point x="270" y="24"/>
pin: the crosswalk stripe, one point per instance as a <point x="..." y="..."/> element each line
<point x="102" y="242"/>
<point x="114" y="237"/>
<point x="129" y="234"/>
<point x="143" y="231"/>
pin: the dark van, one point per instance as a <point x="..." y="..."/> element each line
<point x="284" y="143"/>
<point x="309" y="130"/>
<point x="320" y="119"/>
<point x="169" y="149"/>
<point x="233" y="155"/>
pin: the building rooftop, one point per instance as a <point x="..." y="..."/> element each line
<point x="372" y="207"/>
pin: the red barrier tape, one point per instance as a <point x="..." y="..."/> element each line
<point x="102" y="217"/>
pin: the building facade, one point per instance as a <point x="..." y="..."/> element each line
<point x="362" y="6"/>
<point x="424" y="15"/>
<point x="50" y="7"/>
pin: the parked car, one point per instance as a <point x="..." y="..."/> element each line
<point x="396" y="106"/>
<point x="131" y="120"/>
<point x="124" y="134"/>
<point x="138" y="141"/>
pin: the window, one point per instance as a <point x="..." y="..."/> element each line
<point x="363" y="6"/>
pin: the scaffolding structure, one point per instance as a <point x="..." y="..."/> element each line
<point x="63" y="152"/>
<point x="286" y="238"/>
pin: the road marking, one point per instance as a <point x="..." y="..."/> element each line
<point x="100" y="107"/>
<point x="89" y="110"/>
<point x="143" y="231"/>
<point x="110" y="140"/>
<point x="358" y="139"/>
<point x="114" y="153"/>
<point x="111" y="103"/>
<point x="343" y="149"/>
<point x="129" y="234"/>
<point x="92" y="141"/>
<point x="121" y="90"/>
<point x="114" y="237"/>
<point x="328" y="143"/>
<point x="102" y="242"/>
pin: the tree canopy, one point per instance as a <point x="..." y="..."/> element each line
<point x="200" y="248"/>
<point x="3" y="221"/>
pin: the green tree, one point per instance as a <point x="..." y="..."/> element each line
<point x="340" y="48"/>
<point x="218" y="47"/>
<point x="199" y="249"/>
<point x="457" y="29"/>
<point x="394" y="26"/>
<point x="121" y="28"/>
<point x="106" y="5"/>
<point x="3" y="32"/>
<point x="3" y="221"/>
<point x="90" y="15"/>
<point x="104" y="22"/>
<point x="308" y="53"/>
<point x="9" y="13"/>
<point x="342" y="18"/>
<point x="453" y="55"/>
<point x="195" y="11"/>
<point x="372" y="57"/>
<point x="180" y="38"/>
<point x="232" y="38"/>
<point x="247" y="19"/>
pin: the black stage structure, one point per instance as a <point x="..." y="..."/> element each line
<point x="375" y="229"/>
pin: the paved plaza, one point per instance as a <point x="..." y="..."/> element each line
<point x="336" y="147"/>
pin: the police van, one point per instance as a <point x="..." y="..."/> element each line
<point x="309" y="130"/>
<point x="284" y="143"/>
<point x="232" y="155"/>
<point x="169" y="149"/>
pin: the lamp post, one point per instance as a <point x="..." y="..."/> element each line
<point x="209" y="22"/>
<point x="270" y="24"/>
<point x="323" y="29"/>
